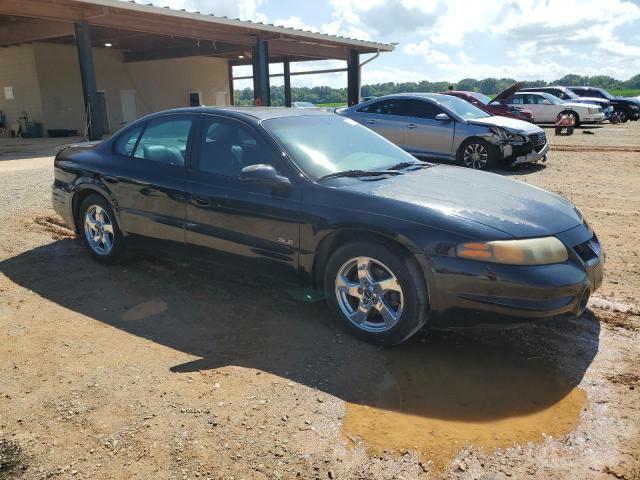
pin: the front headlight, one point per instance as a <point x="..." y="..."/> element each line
<point x="594" y="110"/>
<point x="506" y="135"/>
<point x="634" y="107"/>
<point x="531" y="251"/>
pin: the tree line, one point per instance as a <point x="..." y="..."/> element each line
<point x="488" y="86"/>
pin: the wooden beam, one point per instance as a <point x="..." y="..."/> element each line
<point x="305" y="49"/>
<point x="181" y="52"/>
<point x="32" y="31"/>
<point x="35" y="8"/>
<point x="172" y="27"/>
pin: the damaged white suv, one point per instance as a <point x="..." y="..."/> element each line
<point x="546" y="108"/>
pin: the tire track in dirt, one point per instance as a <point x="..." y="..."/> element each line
<point x="594" y="148"/>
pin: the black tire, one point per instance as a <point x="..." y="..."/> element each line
<point x="477" y="143"/>
<point x="622" y="115"/>
<point x="414" y="312"/>
<point x="116" y="253"/>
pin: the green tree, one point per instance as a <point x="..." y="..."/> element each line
<point x="488" y="86"/>
<point x="468" y="84"/>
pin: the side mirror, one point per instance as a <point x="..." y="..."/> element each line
<point x="443" y="117"/>
<point x="263" y="173"/>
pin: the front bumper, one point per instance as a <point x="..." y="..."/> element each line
<point x="593" y="118"/>
<point x="471" y="293"/>
<point x="520" y="153"/>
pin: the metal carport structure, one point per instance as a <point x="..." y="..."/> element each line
<point x="146" y="32"/>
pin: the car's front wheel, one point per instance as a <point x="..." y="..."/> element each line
<point x="101" y="234"/>
<point x="477" y="154"/>
<point x="377" y="291"/>
<point x="622" y="115"/>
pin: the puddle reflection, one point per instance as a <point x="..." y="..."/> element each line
<point x="436" y="399"/>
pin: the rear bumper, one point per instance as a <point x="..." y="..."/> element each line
<point x="471" y="293"/>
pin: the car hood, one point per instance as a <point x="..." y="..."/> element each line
<point x="507" y="92"/>
<point x="512" y="124"/>
<point x="599" y="101"/>
<point x="513" y="207"/>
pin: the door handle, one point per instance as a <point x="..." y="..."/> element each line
<point x="371" y="121"/>
<point x="412" y="125"/>
<point x="202" y="202"/>
<point x="110" y="179"/>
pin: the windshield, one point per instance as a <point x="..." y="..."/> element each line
<point x="568" y="93"/>
<point x="461" y="107"/>
<point x="325" y="144"/>
<point x="481" y="98"/>
<point x="606" y="94"/>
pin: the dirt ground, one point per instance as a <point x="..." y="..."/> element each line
<point x="164" y="368"/>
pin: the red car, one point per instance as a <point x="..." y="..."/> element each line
<point x="495" y="106"/>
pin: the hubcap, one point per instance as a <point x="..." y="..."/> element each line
<point x="475" y="156"/>
<point x="98" y="229"/>
<point x="369" y="294"/>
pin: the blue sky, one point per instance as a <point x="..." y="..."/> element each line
<point x="454" y="39"/>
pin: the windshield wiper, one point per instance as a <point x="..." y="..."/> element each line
<point x="358" y="173"/>
<point x="403" y="165"/>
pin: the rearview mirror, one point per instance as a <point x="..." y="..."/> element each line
<point x="442" y="117"/>
<point x="263" y="173"/>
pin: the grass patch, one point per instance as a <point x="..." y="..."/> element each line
<point x="626" y="93"/>
<point x="331" y="105"/>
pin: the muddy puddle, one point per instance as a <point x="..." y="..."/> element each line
<point x="435" y="400"/>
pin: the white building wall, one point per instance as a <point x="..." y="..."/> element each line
<point x="159" y="84"/>
<point x="18" y="71"/>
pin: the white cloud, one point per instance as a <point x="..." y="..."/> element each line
<point x="295" y="22"/>
<point x="242" y="9"/>
<point x="425" y="49"/>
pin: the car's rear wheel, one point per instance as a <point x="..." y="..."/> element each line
<point x="376" y="291"/>
<point x="100" y="231"/>
<point x="477" y="154"/>
<point x="622" y="115"/>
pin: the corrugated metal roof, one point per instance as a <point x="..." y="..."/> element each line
<point x="258" y="26"/>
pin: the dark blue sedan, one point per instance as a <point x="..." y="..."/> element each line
<point x="393" y="243"/>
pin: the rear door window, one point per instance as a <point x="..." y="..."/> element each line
<point x="392" y="106"/>
<point x="165" y="140"/>
<point x="126" y="141"/>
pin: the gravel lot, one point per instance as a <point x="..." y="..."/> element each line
<point x="173" y="369"/>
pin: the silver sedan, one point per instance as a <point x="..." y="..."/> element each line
<point x="430" y="125"/>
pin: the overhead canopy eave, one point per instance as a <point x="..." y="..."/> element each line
<point x="146" y="32"/>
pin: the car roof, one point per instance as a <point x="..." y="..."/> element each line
<point x="458" y="92"/>
<point x="259" y="113"/>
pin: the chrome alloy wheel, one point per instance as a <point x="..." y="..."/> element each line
<point x="475" y="156"/>
<point x="369" y="294"/>
<point x="99" y="230"/>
